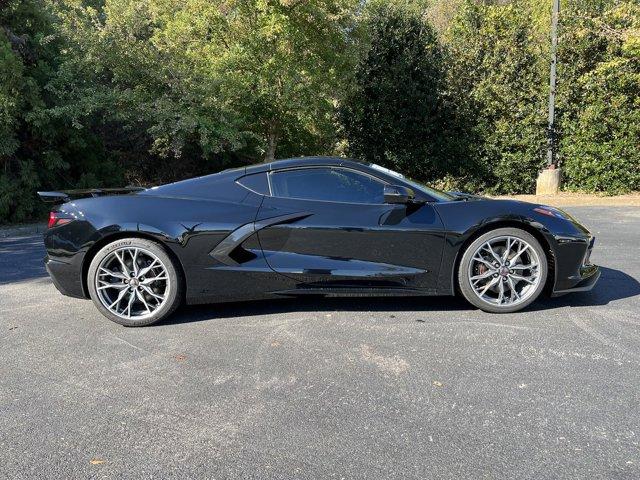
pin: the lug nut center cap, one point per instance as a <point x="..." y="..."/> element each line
<point x="504" y="271"/>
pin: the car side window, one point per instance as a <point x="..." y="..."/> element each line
<point x="327" y="184"/>
<point x="256" y="182"/>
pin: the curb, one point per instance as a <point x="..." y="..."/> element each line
<point x="22" y="230"/>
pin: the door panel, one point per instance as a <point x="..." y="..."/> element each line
<point x="353" y="245"/>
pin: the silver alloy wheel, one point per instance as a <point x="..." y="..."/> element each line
<point x="504" y="271"/>
<point x="132" y="283"/>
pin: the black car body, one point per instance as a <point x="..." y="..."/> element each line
<point x="283" y="229"/>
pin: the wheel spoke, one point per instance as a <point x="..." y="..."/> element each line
<point x="500" y="292"/>
<point x="507" y="251"/>
<point x="524" y="248"/>
<point x="488" y="286"/>
<point x="117" y="286"/>
<point x="142" y="299"/>
<point x="523" y="266"/>
<point x="123" y="265"/>
<point x="134" y="259"/>
<point x="482" y="276"/>
<point x="515" y="296"/>
<point x="132" y="297"/>
<point x="149" y="281"/>
<point x="152" y="293"/>
<point x="482" y="260"/>
<point x="146" y="269"/>
<point x="493" y="254"/>
<point x="530" y="280"/>
<point x="118" y="299"/>
<point x="112" y="273"/>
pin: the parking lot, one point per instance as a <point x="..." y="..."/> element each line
<point x="329" y="388"/>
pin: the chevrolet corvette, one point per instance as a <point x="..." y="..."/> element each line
<point x="306" y="226"/>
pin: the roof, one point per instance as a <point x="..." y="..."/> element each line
<point x="302" y="162"/>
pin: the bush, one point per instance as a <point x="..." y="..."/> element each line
<point x="397" y="113"/>
<point x="600" y="145"/>
<point x="498" y="70"/>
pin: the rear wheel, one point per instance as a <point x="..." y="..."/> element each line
<point x="134" y="282"/>
<point x="503" y="270"/>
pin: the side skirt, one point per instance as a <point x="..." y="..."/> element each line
<point x="319" y="292"/>
<point x="356" y="292"/>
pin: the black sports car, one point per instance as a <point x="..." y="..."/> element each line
<point x="307" y="226"/>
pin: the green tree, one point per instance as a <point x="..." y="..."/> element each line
<point x="398" y="113"/>
<point x="35" y="150"/>
<point x="216" y="81"/>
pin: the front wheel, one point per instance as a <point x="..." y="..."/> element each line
<point x="134" y="282"/>
<point x="503" y="270"/>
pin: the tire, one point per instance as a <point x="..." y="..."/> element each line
<point x="139" y="300"/>
<point x="478" y="269"/>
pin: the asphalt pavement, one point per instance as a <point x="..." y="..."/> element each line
<point x="326" y="388"/>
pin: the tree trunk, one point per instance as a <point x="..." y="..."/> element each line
<point x="272" y="143"/>
<point x="19" y="43"/>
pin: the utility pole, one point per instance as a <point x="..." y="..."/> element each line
<point x="548" y="182"/>
<point x="551" y="133"/>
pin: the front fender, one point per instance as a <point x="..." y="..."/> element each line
<point x="465" y="221"/>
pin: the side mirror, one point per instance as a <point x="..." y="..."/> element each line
<point x="398" y="194"/>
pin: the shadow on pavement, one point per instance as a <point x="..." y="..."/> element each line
<point x="21" y="259"/>
<point x="613" y="285"/>
<point x="315" y="304"/>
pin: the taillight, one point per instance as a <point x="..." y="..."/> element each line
<point x="55" y="220"/>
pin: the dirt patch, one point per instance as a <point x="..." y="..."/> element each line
<point x="395" y="364"/>
<point x="566" y="199"/>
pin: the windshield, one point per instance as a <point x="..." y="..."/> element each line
<point x="437" y="194"/>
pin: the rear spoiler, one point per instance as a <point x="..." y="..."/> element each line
<point x="67" y="195"/>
